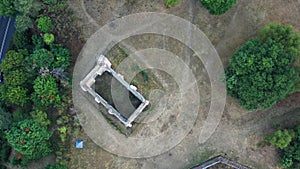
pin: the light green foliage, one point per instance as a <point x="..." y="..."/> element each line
<point x="29" y="139"/>
<point x="48" y="38"/>
<point x="42" y="58"/>
<point x="45" y="91"/>
<point x="62" y="56"/>
<point x="44" y="24"/>
<point x="289" y="143"/>
<point x="218" y="7"/>
<point x="17" y="95"/>
<point x="40" y="117"/>
<point x="23" y="22"/>
<point x="15" y="78"/>
<point x="282" y="34"/>
<point x="14" y="90"/>
<point x="171" y="3"/>
<point x="63" y="133"/>
<point x="280" y="139"/>
<point x="13" y="60"/>
<point x="260" y="74"/>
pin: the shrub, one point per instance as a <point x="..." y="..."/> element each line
<point x="15" y="78"/>
<point x="23" y="22"/>
<point x="29" y="139"/>
<point x="282" y="34"/>
<point x="44" y="24"/>
<point x="45" y="91"/>
<point x="260" y="74"/>
<point x="12" y="61"/>
<point x="41" y="58"/>
<point x="5" y="119"/>
<point x="171" y="3"/>
<point x="48" y="38"/>
<point x="16" y="95"/>
<point x="280" y="139"/>
<point x="56" y="166"/>
<point x="21" y="40"/>
<point x="40" y="117"/>
<point x="218" y="7"/>
<point x="62" y="56"/>
<point x="7" y="8"/>
<point x="38" y="42"/>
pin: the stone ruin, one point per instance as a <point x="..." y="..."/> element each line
<point x="104" y="65"/>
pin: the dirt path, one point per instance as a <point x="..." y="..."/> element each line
<point x="240" y="132"/>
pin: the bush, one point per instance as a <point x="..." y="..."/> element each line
<point x="280" y="139"/>
<point x="12" y="61"/>
<point x="23" y="22"/>
<point x="21" y="40"/>
<point x="29" y="139"/>
<point x="289" y="143"/>
<point x="62" y="56"/>
<point x="282" y="34"/>
<point x="218" y="7"/>
<point x="56" y="166"/>
<point x="44" y="24"/>
<point x="42" y="58"/>
<point x="40" y="117"/>
<point x="171" y="3"/>
<point x="15" y="78"/>
<point x="48" y="38"/>
<point x="45" y="91"/>
<point x="17" y="95"/>
<point x="260" y="74"/>
<point x="7" y="8"/>
<point x="5" y="119"/>
<point x="38" y="42"/>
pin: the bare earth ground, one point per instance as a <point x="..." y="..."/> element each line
<point x="240" y="133"/>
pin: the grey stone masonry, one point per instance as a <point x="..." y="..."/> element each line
<point x="104" y="65"/>
<point x="218" y="160"/>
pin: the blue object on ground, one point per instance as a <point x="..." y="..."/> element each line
<point x="7" y="29"/>
<point x="79" y="143"/>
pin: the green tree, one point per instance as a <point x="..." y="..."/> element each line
<point x="15" y="78"/>
<point x="23" y="22"/>
<point x="260" y="73"/>
<point x="40" y="117"/>
<point x="42" y="58"/>
<point x="280" y="139"/>
<point x="44" y="24"/>
<point x="171" y="3"/>
<point x="29" y="139"/>
<point x="56" y="166"/>
<point x="218" y="7"/>
<point x="21" y="40"/>
<point x="45" y="91"/>
<point x="14" y="91"/>
<point x="5" y="119"/>
<point x="16" y="95"/>
<point x="62" y="56"/>
<point x="7" y="8"/>
<point x="282" y="34"/>
<point x="12" y="61"/>
<point x="48" y="38"/>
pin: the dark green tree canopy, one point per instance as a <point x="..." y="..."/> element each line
<point x="29" y="139"/>
<point x="218" y="7"/>
<point x="260" y="74"/>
